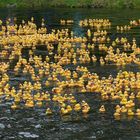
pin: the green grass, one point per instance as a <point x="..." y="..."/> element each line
<point x="72" y="3"/>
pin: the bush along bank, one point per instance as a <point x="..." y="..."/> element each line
<point x="70" y="3"/>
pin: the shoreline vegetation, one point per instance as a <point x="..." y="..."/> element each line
<point x="70" y="3"/>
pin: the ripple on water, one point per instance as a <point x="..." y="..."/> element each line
<point x="92" y="137"/>
<point x="38" y="126"/>
<point x="28" y="135"/>
<point x="73" y="128"/>
<point x="2" y="126"/>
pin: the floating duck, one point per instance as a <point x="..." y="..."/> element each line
<point x="102" y="109"/>
<point x="49" y="111"/>
<point x="77" y="107"/>
<point x="130" y="112"/>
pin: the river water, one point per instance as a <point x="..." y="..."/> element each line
<point x="34" y="124"/>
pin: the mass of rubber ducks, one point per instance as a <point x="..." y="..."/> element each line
<point x="52" y="80"/>
<point x="123" y="28"/>
<point x="66" y="22"/>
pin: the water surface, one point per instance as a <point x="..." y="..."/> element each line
<point x="34" y="124"/>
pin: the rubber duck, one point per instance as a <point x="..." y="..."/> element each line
<point x="85" y="109"/>
<point x="89" y="33"/>
<point x="77" y="107"/>
<point x="102" y="109"/>
<point x="73" y="100"/>
<point x="39" y="103"/>
<point x="117" y="113"/>
<point x="132" y="96"/>
<point x="138" y="112"/>
<point x="123" y="109"/>
<point x="138" y="95"/>
<point x="130" y="112"/>
<point x="29" y="103"/>
<point x="123" y="101"/>
<point x="130" y="104"/>
<point x="49" y="111"/>
<point x="14" y="106"/>
<point x="64" y="111"/>
<point x="69" y="108"/>
<point x="118" y="107"/>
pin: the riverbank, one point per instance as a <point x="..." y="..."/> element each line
<point x="70" y="3"/>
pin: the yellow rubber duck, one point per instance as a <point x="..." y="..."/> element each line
<point x="132" y="96"/>
<point x="138" y="95"/>
<point x="130" y="112"/>
<point x="69" y="108"/>
<point x="123" y="109"/>
<point x="85" y="109"/>
<point x="77" y="107"/>
<point x="39" y="103"/>
<point x="130" y="104"/>
<point x="137" y="112"/>
<point x="49" y="111"/>
<point x="89" y="33"/>
<point x="29" y="103"/>
<point x="64" y="111"/>
<point x="117" y="113"/>
<point x="123" y="101"/>
<point x="14" y="106"/>
<point x="102" y="109"/>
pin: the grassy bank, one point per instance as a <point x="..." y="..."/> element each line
<point x="71" y="3"/>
